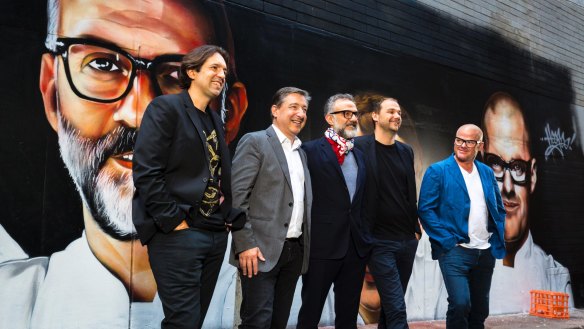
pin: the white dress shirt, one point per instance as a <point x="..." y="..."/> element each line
<point x="296" y="170"/>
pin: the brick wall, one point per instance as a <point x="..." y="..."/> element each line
<point x="499" y="40"/>
<point x="535" y="45"/>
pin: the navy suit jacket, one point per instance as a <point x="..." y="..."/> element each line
<point x="367" y="145"/>
<point x="335" y="218"/>
<point x="444" y="207"/>
<point x="171" y="166"/>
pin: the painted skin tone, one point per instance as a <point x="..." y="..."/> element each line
<point x="508" y="139"/>
<point x="143" y="30"/>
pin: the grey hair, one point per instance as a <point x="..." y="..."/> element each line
<point x="53" y="7"/>
<point x="328" y="106"/>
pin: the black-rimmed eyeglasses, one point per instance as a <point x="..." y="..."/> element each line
<point x="102" y="72"/>
<point x="469" y="142"/>
<point x="519" y="169"/>
<point x="347" y="114"/>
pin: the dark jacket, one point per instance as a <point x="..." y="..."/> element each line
<point x="171" y="166"/>
<point x="335" y="218"/>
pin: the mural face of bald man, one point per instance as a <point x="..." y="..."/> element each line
<point x="507" y="152"/>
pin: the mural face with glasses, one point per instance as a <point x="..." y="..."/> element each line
<point x="102" y="72"/>
<point x="518" y="169"/>
<point x="105" y="62"/>
<point x="96" y="84"/>
<point x="507" y="152"/>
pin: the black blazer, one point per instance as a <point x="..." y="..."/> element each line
<point x="367" y="145"/>
<point x="335" y="219"/>
<point x="170" y="173"/>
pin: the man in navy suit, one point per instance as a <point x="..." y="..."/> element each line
<point x="391" y="210"/>
<point x="340" y="240"/>
<point x="182" y="203"/>
<point x="462" y="211"/>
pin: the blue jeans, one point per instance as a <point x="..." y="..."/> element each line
<point x="391" y="265"/>
<point x="467" y="276"/>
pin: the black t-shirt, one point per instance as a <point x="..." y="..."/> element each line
<point x="209" y="215"/>
<point x="392" y="220"/>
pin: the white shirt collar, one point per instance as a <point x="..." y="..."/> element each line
<point x="283" y="139"/>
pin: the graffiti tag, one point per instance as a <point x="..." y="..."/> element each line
<point x="557" y="141"/>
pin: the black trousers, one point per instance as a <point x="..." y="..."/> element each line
<point x="267" y="297"/>
<point x="347" y="275"/>
<point x="186" y="265"/>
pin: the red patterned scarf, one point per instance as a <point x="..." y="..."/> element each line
<point x="341" y="146"/>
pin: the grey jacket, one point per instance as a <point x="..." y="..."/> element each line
<point x="260" y="184"/>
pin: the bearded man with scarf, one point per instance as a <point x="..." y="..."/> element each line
<point x="340" y="240"/>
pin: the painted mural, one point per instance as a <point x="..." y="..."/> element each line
<point x="84" y="72"/>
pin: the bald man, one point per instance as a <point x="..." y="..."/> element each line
<point x="461" y="210"/>
<point x="508" y="152"/>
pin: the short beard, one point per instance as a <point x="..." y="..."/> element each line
<point x="107" y="197"/>
<point x="343" y="132"/>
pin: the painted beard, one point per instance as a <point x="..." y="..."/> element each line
<point x="107" y="195"/>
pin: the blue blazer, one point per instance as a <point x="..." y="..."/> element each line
<point x="444" y="206"/>
<point x="335" y="218"/>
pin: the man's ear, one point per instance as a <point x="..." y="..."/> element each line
<point x="48" y="88"/>
<point x="374" y="117"/>
<point x="192" y="73"/>
<point x="329" y="119"/>
<point x="533" y="174"/>
<point x="237" y="98"/>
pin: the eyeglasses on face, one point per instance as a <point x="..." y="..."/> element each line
<point x="469" y="142"/>
<point x="519" y="169"/>
<point x="101" y="72"/>
<point x="347" y="114"/>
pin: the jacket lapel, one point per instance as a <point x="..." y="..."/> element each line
<point x="224" y="153"/>
<point x="406" y="161"/>
<point x="456" y="174"/>
<point x="361" y="171"/>
<point x="277" y="146"/>
<point x="194" y="116"/>
<point x="328" y="155"/>
<point x="307" y="182"/>
<point x="372" y="156"/>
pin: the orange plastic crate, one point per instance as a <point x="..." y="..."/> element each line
<point x="549" y="304"/>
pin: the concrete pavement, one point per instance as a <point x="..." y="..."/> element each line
<point x="513" y="321"/>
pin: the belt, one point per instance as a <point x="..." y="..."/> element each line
<point x="293" y="239"/>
